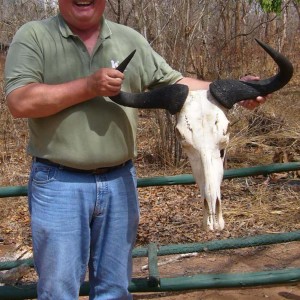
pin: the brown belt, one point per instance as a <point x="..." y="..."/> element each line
<point x="92" y="171"/>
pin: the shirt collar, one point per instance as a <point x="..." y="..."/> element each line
<point x="105" y="29"/>
<point x="63" y="27"/>
<point x="66" y="31"/>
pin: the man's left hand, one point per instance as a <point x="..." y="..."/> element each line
<point x="252" y="103"/>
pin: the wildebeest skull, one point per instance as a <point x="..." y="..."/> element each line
<point x="202" y="124"/>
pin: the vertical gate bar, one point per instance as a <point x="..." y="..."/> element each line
<point x="153" y="280"/>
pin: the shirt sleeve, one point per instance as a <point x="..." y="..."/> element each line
<point x="24" y="62"/>
<point x="163" y="73"/>
<point x="155" y="71"/>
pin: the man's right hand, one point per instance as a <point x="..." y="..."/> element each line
<point x="105" y="82"/>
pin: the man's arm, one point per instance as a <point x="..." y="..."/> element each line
<point x="38" y="100"/>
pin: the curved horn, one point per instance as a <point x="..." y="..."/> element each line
<point x="170" y="97"/>
<point x="228" y="92"/>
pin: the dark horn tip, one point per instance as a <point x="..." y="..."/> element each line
<point x="285" y="66"/>
<point x="122" y="66"/>
<point x="228" y="92"/>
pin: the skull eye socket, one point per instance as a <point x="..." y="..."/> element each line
<point x="222" y="153"/>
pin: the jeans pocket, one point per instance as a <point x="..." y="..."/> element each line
<point x="43" y="174"/>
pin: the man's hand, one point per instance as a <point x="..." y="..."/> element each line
<point x="105" y="82"/>
<point x="252" y="103"/>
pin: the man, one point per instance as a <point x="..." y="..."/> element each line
<point x="82" y="188"/>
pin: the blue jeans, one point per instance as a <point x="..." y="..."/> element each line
<point x="80" y="220"/>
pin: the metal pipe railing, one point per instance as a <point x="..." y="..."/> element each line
<point x="16" y="191"/>
<point x="205" y="281"/>
<point x="233" y="243"/>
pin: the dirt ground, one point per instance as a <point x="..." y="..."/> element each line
<point x="273" y="293"/>
<point x="230" y="261"/>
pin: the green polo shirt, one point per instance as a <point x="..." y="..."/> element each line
<point x="98" y="132"/>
